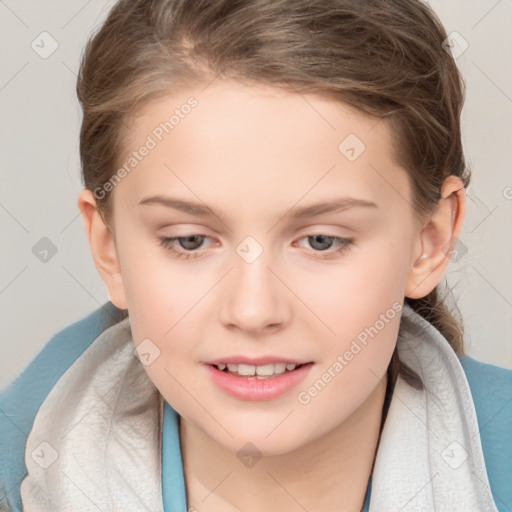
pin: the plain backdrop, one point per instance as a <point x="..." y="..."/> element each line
<point x="40" y="176"/>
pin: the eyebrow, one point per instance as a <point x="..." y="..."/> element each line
<point x="334" y="206"/>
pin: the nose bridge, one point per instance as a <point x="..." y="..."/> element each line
<point x="255" y="296"/>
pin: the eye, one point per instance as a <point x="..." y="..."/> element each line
<point x="186" y="247"/>
<point x="190" y="244"/>
<point x="321" y="243"/>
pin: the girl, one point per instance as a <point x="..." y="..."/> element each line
<point x="273" y="192"/>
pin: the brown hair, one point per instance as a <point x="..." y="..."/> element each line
<point x="385" y="58"/>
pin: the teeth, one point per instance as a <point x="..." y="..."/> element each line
<point x="246" y="369"/>
<point x="268" y="369"/>
<point x="260" y="371"/>
<point x="279" y="368"/>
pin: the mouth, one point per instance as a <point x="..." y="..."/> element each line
<point x="255" y="383"/>
<point x="262" y="372"/>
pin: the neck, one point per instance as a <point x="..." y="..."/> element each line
<point x="330" y="474"/>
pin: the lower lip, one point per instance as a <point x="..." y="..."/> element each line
<point x="247" y="388"/>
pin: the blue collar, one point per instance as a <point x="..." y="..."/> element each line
<point x="173" y="483"/>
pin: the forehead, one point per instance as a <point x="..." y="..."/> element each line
<point x="249" y="145"/>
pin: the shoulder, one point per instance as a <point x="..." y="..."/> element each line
<point x="491" y="389"/>
<point x="21" y="399"/>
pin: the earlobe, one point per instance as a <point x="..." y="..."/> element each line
<point x="103" y="248"/>
<point x="436" y="240"/>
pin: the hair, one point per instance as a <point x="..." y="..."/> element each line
<point x="385" y="58"/>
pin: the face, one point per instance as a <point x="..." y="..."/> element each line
<point x="253" y="270"/>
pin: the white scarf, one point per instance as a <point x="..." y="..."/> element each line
<point x="96" y="439"/>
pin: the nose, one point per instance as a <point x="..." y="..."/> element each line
<point x="255" y="300"/>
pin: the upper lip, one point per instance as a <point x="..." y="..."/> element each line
<point x="255" y="361"/>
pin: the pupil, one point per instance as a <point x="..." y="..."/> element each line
<point x="190" y="240"/>
<point x="324" y="245"/>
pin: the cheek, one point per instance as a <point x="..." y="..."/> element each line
<point x="347" y="297"/>
<point x="159" y="290"/>
<point x="163" y="301"/>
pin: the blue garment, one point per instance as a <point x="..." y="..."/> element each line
<point x="491" y="389"/>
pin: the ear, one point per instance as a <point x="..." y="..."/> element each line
<point x="103" y="248"/>
<point x="437" y="239"/>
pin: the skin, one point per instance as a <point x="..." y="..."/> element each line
<point x="253" y="154"/>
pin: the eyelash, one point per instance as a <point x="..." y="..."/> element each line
<point x="169" y="243"/>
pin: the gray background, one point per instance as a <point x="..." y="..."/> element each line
<point x="40" y="175"/>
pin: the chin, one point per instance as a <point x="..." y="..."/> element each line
<point x="251" y="443"/>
